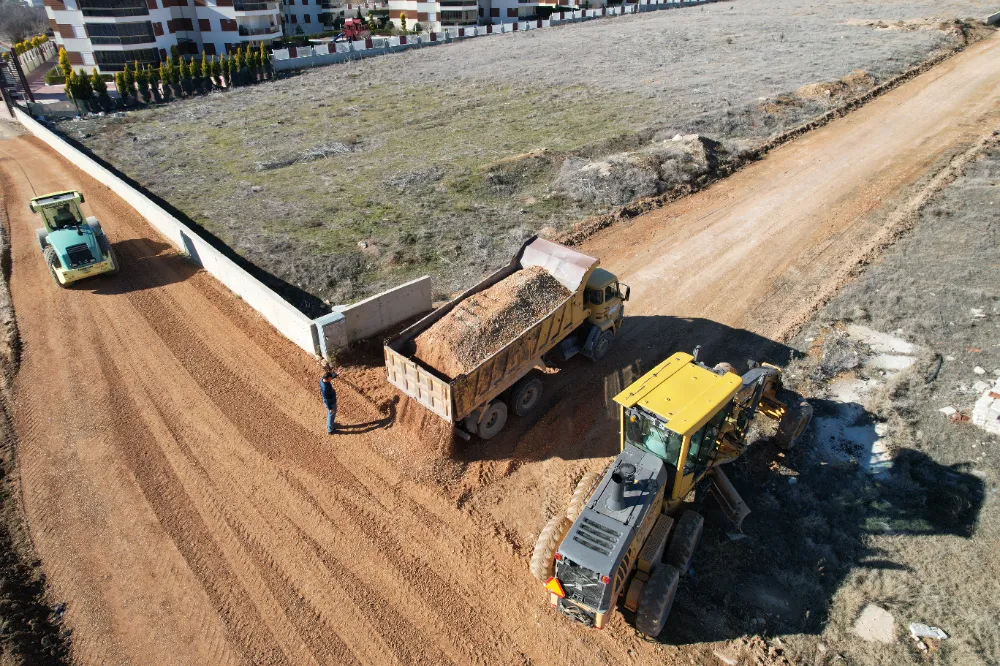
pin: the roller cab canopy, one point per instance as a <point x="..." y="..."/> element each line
<point x="681" y="393"/>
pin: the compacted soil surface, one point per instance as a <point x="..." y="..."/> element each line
<point x="189" y="508"/>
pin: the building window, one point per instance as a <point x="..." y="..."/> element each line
<point x="308" y="19"/>
<point x="114" y="8"/>
<point x="124" y="34"/>
<point x="114" y="61"/>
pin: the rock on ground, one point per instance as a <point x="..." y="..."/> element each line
<point x="875" y="624"/>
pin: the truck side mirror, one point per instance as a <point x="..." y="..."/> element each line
<point x="628" y="291"/>
<point x="81" y="197"/>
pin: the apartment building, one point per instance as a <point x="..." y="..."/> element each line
<point x="457" y="13"/>
<point x="107" y="34"/>
<point x="308" y="17"/>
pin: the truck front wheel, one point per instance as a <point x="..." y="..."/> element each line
<point x="602" y="345"/>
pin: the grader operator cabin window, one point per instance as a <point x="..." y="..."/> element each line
<point x="649" y="434"/>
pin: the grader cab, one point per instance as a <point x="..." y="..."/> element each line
<point x="628" y="535"/>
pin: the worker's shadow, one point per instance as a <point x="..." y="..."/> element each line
<point x="143" y="264"/>
<point x="388" y="410"/>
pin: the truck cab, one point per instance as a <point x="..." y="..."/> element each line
<point x="605" y="298"/>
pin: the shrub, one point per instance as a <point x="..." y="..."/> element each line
<point x="402" y="22"/>
<point x="54" y="77"/>
<point x="128" y="78"/>
<point x="216" y="72"/>
<point x="64" y="65"/>
<point x="142" y="82"/>
<point x="227" y="69"/>
<point x="98" y="84"/>
<point x="417" y="27"/>
<point x="185" y="77"/>
<point x="265" y="61"/>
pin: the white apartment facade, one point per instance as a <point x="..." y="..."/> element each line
<point x="309" y="17"/>
<point x="458" y="13"/>
<point x="107" y="34"/>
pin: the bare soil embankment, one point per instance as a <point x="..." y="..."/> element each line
<point x="30" y="626"/>
<point x="346" y="179"/>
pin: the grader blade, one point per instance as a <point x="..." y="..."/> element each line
<point x="725" y="494"/>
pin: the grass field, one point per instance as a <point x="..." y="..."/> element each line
<point x="349" y="178"/>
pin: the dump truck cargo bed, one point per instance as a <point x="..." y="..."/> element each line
<point x="454" y="399"/>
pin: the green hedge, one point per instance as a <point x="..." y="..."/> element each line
<point x="54" y="78"/>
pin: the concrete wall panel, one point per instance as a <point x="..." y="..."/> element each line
<point x="376" y="314"/>
<point x="291" y="323"/>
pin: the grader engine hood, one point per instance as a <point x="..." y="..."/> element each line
<point x="75" y="248"/>
<point x="603" y="536"/>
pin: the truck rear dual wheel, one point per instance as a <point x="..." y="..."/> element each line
<point x="687" y="534"/>
<point x="493" y="420"/>
<point x="543" y="563"/>
<point x="525" y="395"/>
<point x="657" y="599"/>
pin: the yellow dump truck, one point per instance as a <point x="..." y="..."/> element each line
<point x="478" y="401"/>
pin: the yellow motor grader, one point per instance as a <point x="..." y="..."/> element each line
<point x="628" y="534"/>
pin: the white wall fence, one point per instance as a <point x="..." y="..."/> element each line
<point x="326" y="54"/>
<point x="347" y="324"/>
<point x="34" y="58"/>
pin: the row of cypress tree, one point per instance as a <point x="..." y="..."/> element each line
<point x="176" y="77"/>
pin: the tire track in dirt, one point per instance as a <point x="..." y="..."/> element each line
<point x="185" y="488"/>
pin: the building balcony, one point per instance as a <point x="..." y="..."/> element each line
<point x="255" y="8"/>
<point x="260" y="33"/>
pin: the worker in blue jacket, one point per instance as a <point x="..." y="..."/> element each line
<point x="329" y="399"/>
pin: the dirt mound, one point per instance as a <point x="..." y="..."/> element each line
<point x="619" y="179"/>
<point x="481" y="324"/>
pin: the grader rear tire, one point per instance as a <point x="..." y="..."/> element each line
<point x="657" y="599"/>
<point x="543" y="562"/>
<point x="580" y="495"/>
<point x="682" y="545"/>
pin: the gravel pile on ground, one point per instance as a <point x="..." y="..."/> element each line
<point x="481" y="324"/>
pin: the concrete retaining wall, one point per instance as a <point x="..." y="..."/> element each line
<point x="302" y="58"/>
<point x="291" y="323"/>
<point x="346" y="324"/>
<point x="375" y="314"/>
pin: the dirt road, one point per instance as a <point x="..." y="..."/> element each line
<point x="190" y="509"/>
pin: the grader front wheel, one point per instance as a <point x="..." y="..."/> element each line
<point x="543" y="557"/>
<point x="794" y="424"/>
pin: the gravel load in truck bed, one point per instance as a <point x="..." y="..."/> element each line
<point x="482" y="324"/>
